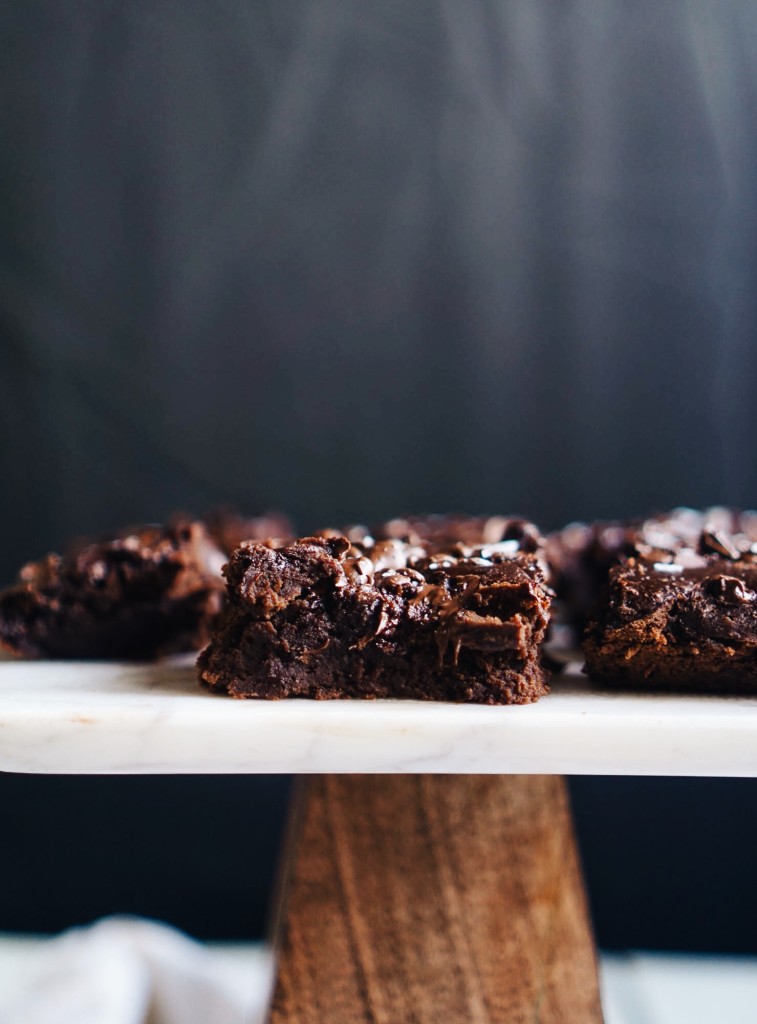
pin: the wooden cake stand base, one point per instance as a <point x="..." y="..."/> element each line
<point x="434" y="899"/>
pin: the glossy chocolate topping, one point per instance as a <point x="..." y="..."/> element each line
<point x="715" y="600"/>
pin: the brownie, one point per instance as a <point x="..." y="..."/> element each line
<point x="327" y="617"/>
<point x="582" y="554"/>
<point x="149" y="592"/>
<point x="683" y="623"/>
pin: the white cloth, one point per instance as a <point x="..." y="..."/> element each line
<point x="111" y="972"/>
<point x="129" y="971"/>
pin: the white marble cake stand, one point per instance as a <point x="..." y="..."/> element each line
<point x="442" y="883"/>
<point x="109" y="718"/>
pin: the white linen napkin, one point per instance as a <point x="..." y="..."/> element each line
<point x="130" y="971"/>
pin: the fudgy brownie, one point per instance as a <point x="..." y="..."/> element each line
<point x="688" y="624"/>
<point x="327" y="617"/>
<point x="149" y="592"/>
<point x="581" y="555"/>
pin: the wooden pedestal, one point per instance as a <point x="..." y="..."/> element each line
<point x="434" y="899"/>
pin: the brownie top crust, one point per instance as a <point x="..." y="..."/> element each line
<point x="710" y="598"/>
<point x="452" y="535"/>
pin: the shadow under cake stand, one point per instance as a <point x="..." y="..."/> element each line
<point x="431" y="872"/>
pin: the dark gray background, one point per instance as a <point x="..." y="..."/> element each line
<point x="358" y="259"/>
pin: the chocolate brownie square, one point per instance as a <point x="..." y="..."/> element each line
<point x="326" y="617"/>
<point x="688" y="624"/>
<point x="149" y="592"/>
<point x="582" y="554"/>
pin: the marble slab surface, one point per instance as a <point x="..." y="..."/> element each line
<point x="113" y="718"/>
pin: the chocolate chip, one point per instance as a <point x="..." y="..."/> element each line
<point x="359" y="570"/>
<point x="729" y="590"/>
<point x="716" y="542"/>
